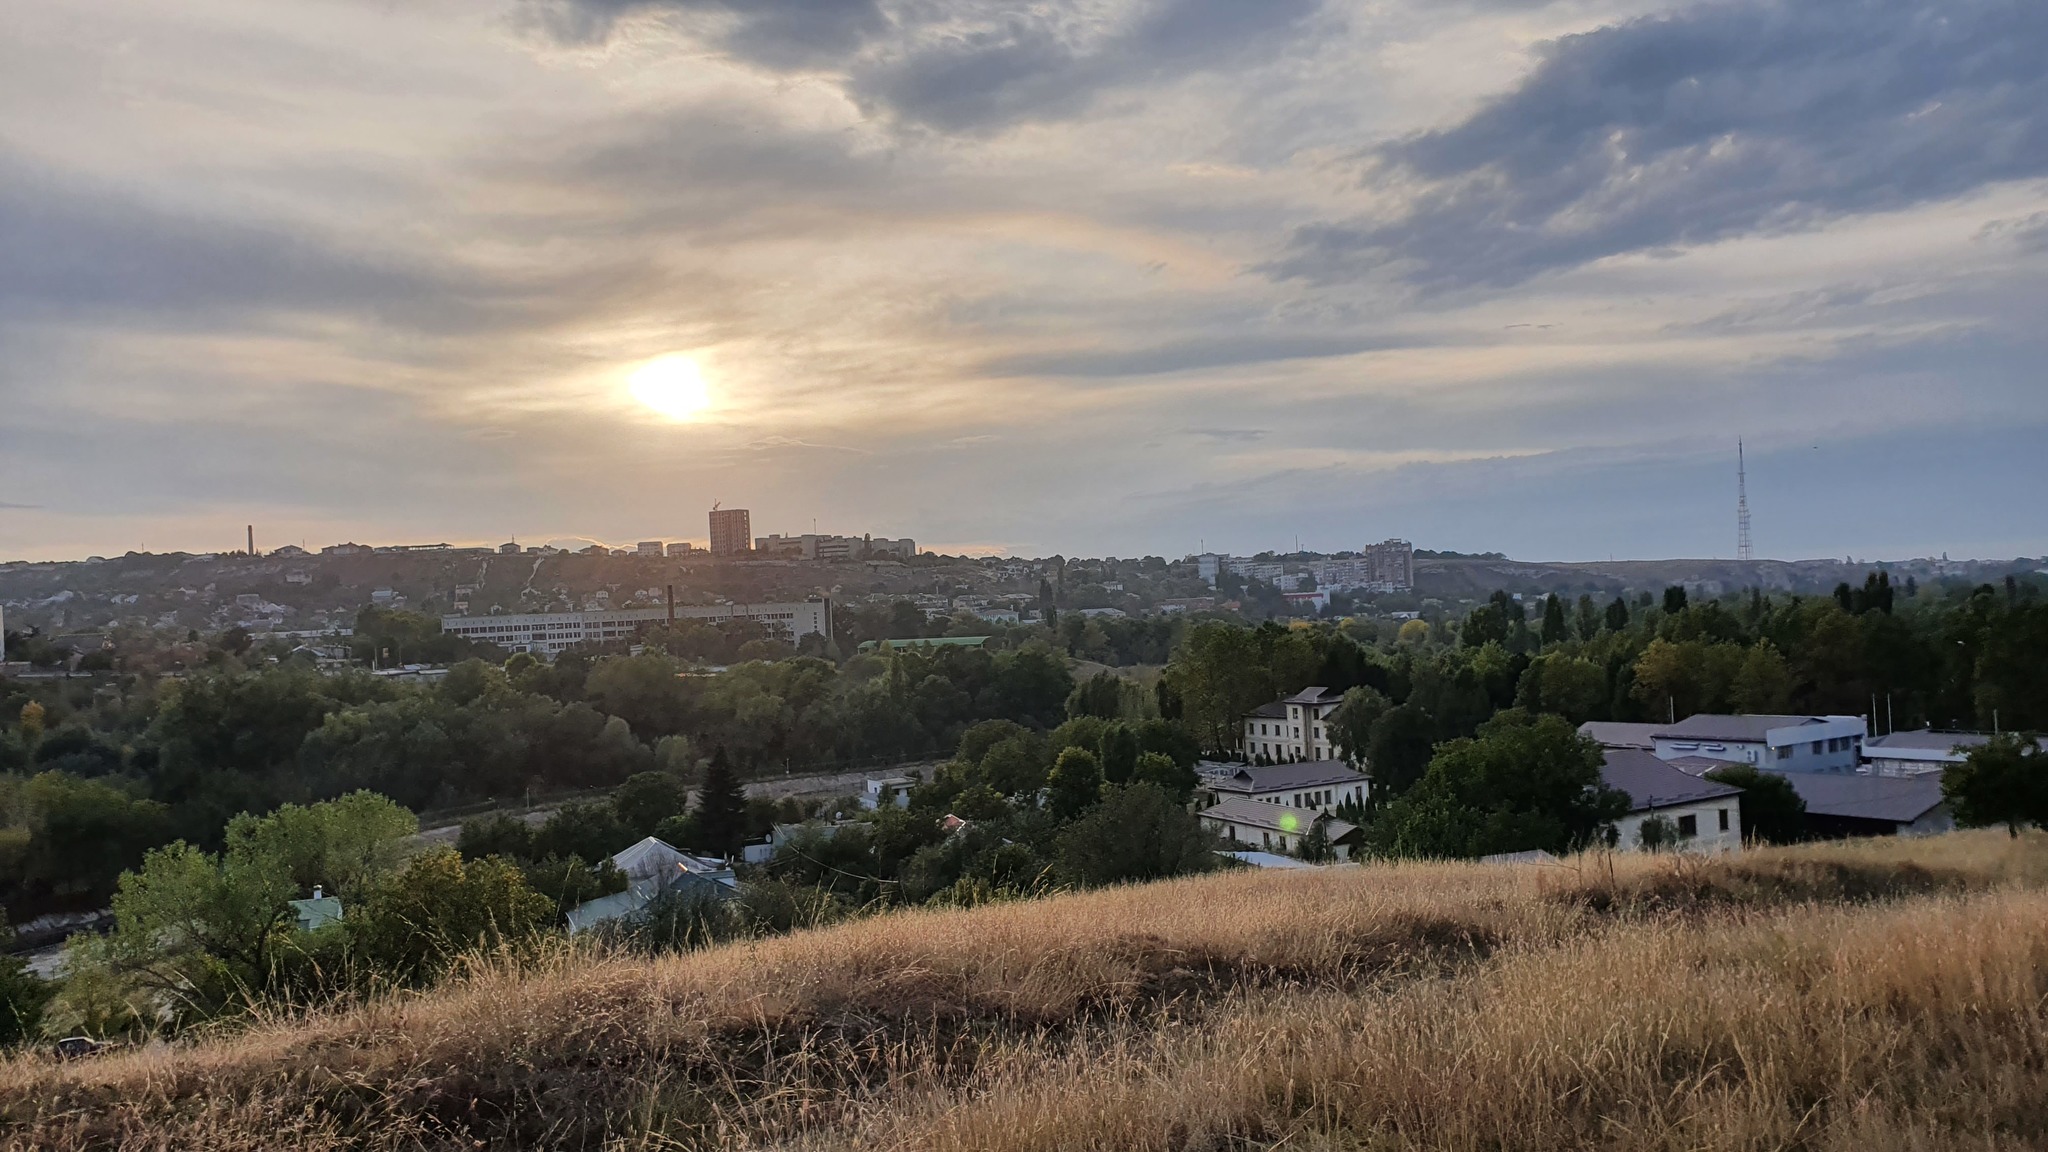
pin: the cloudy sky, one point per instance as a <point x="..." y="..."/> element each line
<point x="1092" y="276"/>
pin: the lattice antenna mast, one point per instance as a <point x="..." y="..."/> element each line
<point x="1742" y="548"/>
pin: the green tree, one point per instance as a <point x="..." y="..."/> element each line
<point x="1119" y="751"/>
<point x="1402" y="742"/>
<point x="1656" y="834"/>
<point x="1176" y="779"/>
<point x="646" y="799"/>
<point x="1555" y="630"/>
<point x="1589" y="619"/>
<point x="1524" y="782"/>
<point x="416" y="922"/>
<point x="1075" y="782"/>
<point x="1763" y="684"/>
<point x="719" y="823"/>
<point x="1139" y="832"/>
<point x="1674" y="599"/>
<point x="1772" y="810"/>
<point x="1100" y="695"/>
<point x="22" y="995"/>
<point x="194" y="931"/>
<point x="1567" y="686"/>
<point x="2001" y="781"/>
<point x="1617" y="615"/>
<point x="340" y="843"/>
<point x="1220" y="675"/>
<point x="1351" y="725"/>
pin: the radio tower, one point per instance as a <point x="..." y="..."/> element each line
<point x="1742" y="549"/>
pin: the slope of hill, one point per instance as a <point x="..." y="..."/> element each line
<point x="1877" y="995"/>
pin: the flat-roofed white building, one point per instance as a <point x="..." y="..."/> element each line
<point x="1920" y="753"/>
<point x="1779" y="743"/>
<point x="550" y="633"/>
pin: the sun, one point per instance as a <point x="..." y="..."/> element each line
<point x="672" y="386"/>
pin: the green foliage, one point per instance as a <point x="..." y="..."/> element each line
<point x="1100" y="695"/>
<point x="1074" y="783"/>
<point x="1163" y="772"/>
<point x="1351" y="725"/>
<point x="567" y="883"/>
<point x="1524" y="782"/>
<point x="341" y="843"/>
<point x="1137" y="833"/>
<point x="416" y="922"/>
<point x="1772" y="810"/>
<point x="2002" y="781"/>
<point x="1398" y="752"/>
<point x="81" y="835"/>
<point x="646" y="799"/>
<point x="719" y="827"/>
<point x="1656" y="834"/>
<point x="1119" y="750"/>
<point x="22" y="996"/>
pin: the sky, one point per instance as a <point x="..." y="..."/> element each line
<point x="1097" y="277"/>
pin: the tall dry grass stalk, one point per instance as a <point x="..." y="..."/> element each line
<point x="1617" y="1002"/>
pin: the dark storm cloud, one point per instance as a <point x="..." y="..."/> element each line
<point x="73" y="248"/>
<point x="66" y="247"/>
<point x="963" y="66"/>
<point x="1718" y="121"/>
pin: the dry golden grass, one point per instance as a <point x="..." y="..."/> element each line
<point x="1877" y="995"/>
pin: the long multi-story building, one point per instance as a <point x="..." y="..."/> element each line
<point x="828" y="548"/>
<point x="549" y="633"/>
<point x="1388" y="566"/>
<point x="732" y="532"/>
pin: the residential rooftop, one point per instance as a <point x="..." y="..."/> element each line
<point x="1651" y="783"/>
<point x="1281" y="777"/>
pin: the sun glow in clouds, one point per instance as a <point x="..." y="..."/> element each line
<point x="672" y="386"/>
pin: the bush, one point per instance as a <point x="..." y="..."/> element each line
<point x="1138" y="832"/>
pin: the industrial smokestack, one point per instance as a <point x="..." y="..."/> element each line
<point x="252" y="539"/>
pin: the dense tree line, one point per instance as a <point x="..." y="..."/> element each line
<point x="87" y="785"/>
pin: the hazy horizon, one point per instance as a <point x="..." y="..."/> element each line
<point x="1096" y="277"/>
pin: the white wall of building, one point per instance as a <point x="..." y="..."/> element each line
<point x="1707" y="820"/>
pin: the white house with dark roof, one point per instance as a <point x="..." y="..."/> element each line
<point x="1276" y="827"/>
<point x="1776" y="743"/>
<point x="1707" y="815"/>
<point x="1293" y="728"/>
<point x="1312" y="785"/>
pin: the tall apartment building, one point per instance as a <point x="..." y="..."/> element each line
<point x="732" y="532"/>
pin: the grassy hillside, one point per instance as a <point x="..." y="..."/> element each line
<point x="1870" y="996"/>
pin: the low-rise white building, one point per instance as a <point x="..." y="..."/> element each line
<point x="1276" y="827"/>
<point x="549" y="633"/>
<point x="891" y="790"/>
<point x="1778" y="743"/>
<point x="1706" y="816"/>
<point x="1313" y="785"/>
<point x="1920" y="753"/>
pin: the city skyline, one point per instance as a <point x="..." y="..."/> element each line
<point x="1132" y="277"/>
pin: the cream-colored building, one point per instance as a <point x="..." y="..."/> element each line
<point x="1293" y="728"/>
